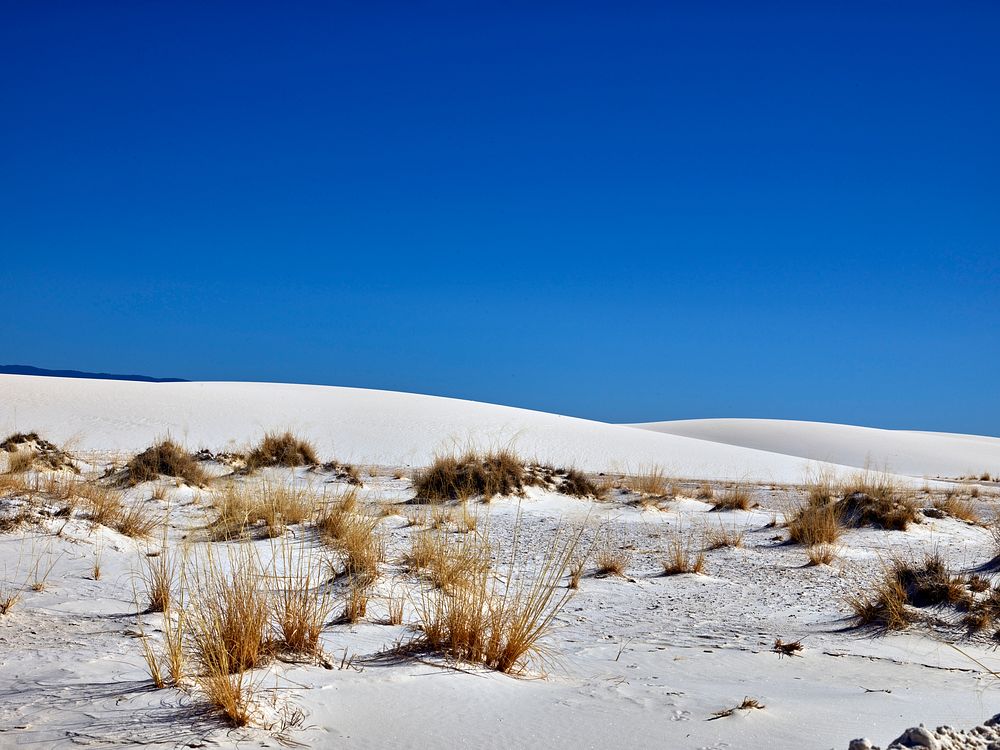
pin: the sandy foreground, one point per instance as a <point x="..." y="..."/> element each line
<point x="638" y="660"/>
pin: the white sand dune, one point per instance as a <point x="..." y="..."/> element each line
<point x="354" y="424"/>
<point x="406" y="429"/>
<point x="656" y="655"/>
<point x="905" y="452"/>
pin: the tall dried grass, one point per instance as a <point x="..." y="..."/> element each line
<point x="448" y="560"/>
<point x="681" y="558"/>
<point x="301" y="603"/>
<point x="21" y="461"/>
<point x="263" y="508"/>
<point x="230" y="611"/>
<point x="735" y="497"/>
<point x="499" y="618"/>
<point x="356" y="537"/>
<point x="652" y="481"/>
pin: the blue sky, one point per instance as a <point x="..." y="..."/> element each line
<point x="623" y="211"/>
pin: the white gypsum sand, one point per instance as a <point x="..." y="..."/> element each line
<point x="641" y="658"/>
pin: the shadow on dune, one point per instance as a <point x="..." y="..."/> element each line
<point x="103" y="714"/>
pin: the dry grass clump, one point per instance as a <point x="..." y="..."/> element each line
<point x="344" y="472"/>
<point x="883" y="607"/>
<point x="719" y="537"/>
<point x="956" y="507"/>
<point x="735" y="497"/>
<point x="652" y="481"/>
<point x="906" y="584"/>
<point x="499" y="618"/>
<point x="300" y="604"/>
<point x="984" y="613"/>
<point x="356" y="605"/>
<point x="822" y="554"/>
<point x="823" y="490"/>
<point x="230" y="613"/>
<point x="576" y="573"/>
<point x="815" y="524"/>
<point x="682" y="558"/>
<point x="28" y="450"/>
<point x="394" y="608"/>
<point x="611" y="562"/>
<point x="262" y="509"/>
<point x="498" y="472"/>
<point x="102" y="504"/>
<point x="105" y="506"/>
<point x="362" y="548"/>
<point x="9" y="597"/>
<point x="705" y="491"/>
<point x="159" y="574"/>
<point x="893" y="512"/>
<point x="232" y="695"/>
<point x="447" y="560"/>
<point x="135" y="520"/>
<point x="281" y="449"/>
<point x="873" y="498"/>
<point x="166" y="458"/>
<point x="868" y="499"/>
<point x="575" y="483"/>
<point x="21" y="461"/>
<point x="354" y="535"/>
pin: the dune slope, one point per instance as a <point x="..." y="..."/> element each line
<point x="930" y="454"/>
<point x="353" y="424"/>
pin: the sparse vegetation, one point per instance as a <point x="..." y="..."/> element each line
<point x="261" y="509"/>
<point x="135" y="520"/>
<point x="448" y="561"/>
<point x="281" y="449"/>
<point x="822" y="554"/>
<point x="903" y="585"/>
<point x="874" y="499"/>
<point x="21" y="461"/>
<point x="158" y="576"/>
<point x="356" y="606"/>
<point x="166" y="458"/>
<point x="355" y="536"/>
<point x="651" y="481"/>
<point x="10" y="595"/>
<point x="498" y="472"/>
<point x="735" y="497"/>
<point x="498" y="618"/>
<point x="28" y="450"/>
<point x="345" y="472"/>
<point x="682" y="558"/>
<point x="230" y="613"/>
<point x="815" y="524"/>
<point x="719" y="537"/>
<point x="956" y="507"/>
<point x="575" y="483"/>
<point x="301" y="603"/>
<point x="576" y="573"/>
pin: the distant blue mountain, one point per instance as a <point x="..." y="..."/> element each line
<point x="29" y="370"/>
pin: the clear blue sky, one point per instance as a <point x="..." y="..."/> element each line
<point x="623" y="211"/>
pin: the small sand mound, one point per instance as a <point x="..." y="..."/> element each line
<point x="27" y="450"/>
<point x="166" y="458"/>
